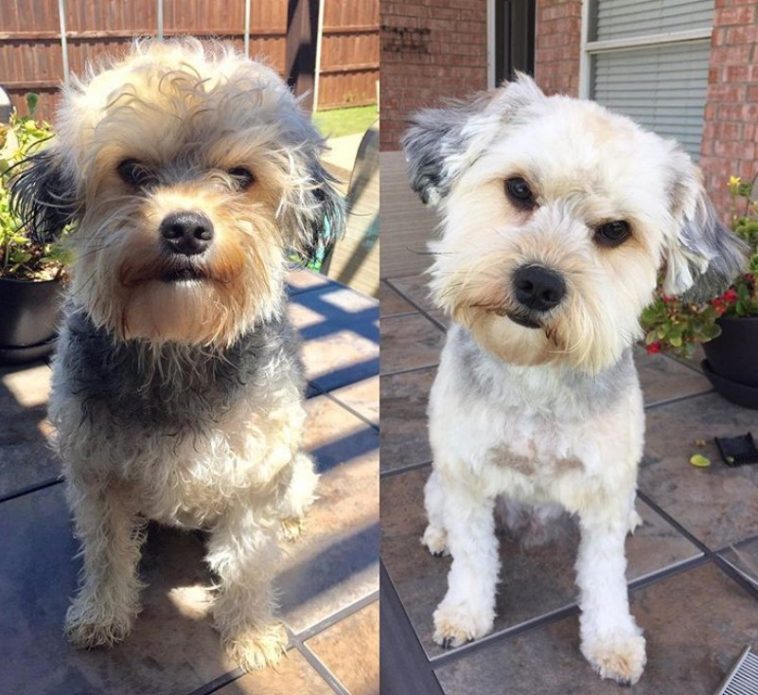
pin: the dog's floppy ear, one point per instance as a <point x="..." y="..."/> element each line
<point x="325" y="219"/>
<point x="43" y="196"/>
<point x="441" y="142"/>
<point x="703" y="256"/>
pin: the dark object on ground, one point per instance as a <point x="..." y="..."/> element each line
<point x="737" y="451"/>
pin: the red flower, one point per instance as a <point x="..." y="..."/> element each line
<point x="729" y="296"/>
<point x="653" y="348"/>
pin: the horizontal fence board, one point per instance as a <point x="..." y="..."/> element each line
<point x="31" y="58"/>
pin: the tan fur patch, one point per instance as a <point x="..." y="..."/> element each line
<point x="529" y="465"/>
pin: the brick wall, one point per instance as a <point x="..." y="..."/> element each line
<point x="430" y="50"/>
<point x="730" y="136"/>
<point x="557" y="46"/>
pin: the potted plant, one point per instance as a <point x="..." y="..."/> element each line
<point x="727" y="325"/>
<point x="30" y="272"/>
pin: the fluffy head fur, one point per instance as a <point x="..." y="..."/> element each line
<point x="188" y="118"/>
<point x="586" y="167"/>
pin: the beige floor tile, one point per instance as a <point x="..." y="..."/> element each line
<point x="350" y="650"/>
<point x="362" y="397"/>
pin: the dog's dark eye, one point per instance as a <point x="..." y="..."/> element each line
<point x="243" y="178"/>
<point x="519" y="193"/>
<point x="135" y="173"/>
<point x="612" y="233"/>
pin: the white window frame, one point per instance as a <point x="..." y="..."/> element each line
<point x="590" y="48"/>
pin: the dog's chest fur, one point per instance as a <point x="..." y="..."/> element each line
<point x="188" y="428"/>
<point x="539" y="434"/>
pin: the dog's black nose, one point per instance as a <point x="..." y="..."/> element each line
<point x="187" y="233"/>
<point x="538" y="288"/>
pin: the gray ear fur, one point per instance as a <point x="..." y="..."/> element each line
<point x="442" y="141"/>
<point x="704" y="256"/>
<point x="43" y="196"/>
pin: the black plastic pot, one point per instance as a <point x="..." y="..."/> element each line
<point x="29" y="312"/>
<point x="732" y="360"/>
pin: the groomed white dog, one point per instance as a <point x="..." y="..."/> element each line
<point x="557" y="218"/>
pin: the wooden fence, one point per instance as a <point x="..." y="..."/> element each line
<point x="36" y="42"/>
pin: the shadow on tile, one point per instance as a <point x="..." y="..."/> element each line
<point x="340" y="334"/>
<point x="172" y="646"/>
<point x="335" y="562"/>
<point x="25" y="456"/>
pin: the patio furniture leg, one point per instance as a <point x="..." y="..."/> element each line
<point x="111" y="534"/>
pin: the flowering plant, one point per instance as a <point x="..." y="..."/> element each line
<point x="673" y="325"/>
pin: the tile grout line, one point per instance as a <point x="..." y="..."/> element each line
<point x="295" y="638"/>
<point x="678" y="399"/>
<point x="336" y="617"/>
<point x="219" y="682"/>
<point x="421" y="309"/>
<point x="404" y="469"/>
<point x="349" y="408"/>
<point x="317" y="665"/>
<point x="722" y="564"/>
<point x="399" y="314"/>
<point x="409" y="369"/>
<point x="31" y="488"/>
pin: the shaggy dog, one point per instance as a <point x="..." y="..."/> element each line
<point x="557" y="218"/>
<point x="189" y="175"/>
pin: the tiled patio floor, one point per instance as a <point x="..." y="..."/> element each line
<point x="328" y="581"/>
<point x="690" y="564"/>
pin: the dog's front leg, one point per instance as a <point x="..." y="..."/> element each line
<point x="468" y="609"/>
<point x="107" y="524"/>
<point x="610" y="639"/>
<point x="243" y="553"/>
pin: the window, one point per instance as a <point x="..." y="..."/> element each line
<point x="648" y="59"/>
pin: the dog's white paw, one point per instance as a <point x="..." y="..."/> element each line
<point x="456" y="624"/>
<point x="620" y="657"/>
<point x="254" y="649"/>
<point x="435" y="539"/>
<point x="91" y="624"/>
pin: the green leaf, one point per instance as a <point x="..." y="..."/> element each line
<point x="32" y="100"/>
<point x="700" y="461"/>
